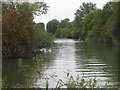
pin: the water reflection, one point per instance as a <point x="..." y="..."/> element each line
<point x="10" y="71"/>
<point x="97" y="60"/>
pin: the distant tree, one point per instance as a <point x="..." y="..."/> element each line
<point x="52" y="26"/>
<point x="64" y="23"/>
<point x="64" y="33"/>
<point x="40" y="27"/>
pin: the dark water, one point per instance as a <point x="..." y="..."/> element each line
<point x="86" y="59"/>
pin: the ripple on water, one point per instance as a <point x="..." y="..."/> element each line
<point x="81" y="59"/>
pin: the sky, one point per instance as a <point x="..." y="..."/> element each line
<point x="61" y="9"/>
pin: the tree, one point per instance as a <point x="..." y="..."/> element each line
<point x="64" y="23"/>
<point x="52" y="26"/>
<point x="36" y="8"/>
<point x="103" y="25"/>
<point x="87" y="24"/>
<point x="81" y="13"/>
<point x="84" y="9"/>
<point x="116" y="22"/>
<point x="18" y="33"/>
<point x="40" y="27"/>
<point x="64" y="33"/>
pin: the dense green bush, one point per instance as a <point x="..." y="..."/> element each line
<point x="43" y="39"/>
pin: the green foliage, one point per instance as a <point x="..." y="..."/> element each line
<point x="64" y="29"/>
<point x="36" y="8"/>
<point x="84" y="9"/>
<point x="64" y="23"/>
<point x="102" y="25"/>
<point x="76" y="33"/>
<point x="92" y="23"/>
<point x="40" y="27"/>
<point x="64" y="33"/>
<point x="43" y="39"/>
<point x="47" y="84"/>
<point x="4" y="82"/>
<point x="99" y="25"/>
<point x="52" y="26"/>
<point x="77" y="82"/>
<point x="23" y="68"/>
<point x="87" y="24"/>
<point x="26" y="70"/>
<point x="115" y="22"/>
<point x="81" y="13"/>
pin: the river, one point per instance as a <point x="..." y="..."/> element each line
<point x="86" y="59"/>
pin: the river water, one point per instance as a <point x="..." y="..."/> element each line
<point x="86" y="59"/>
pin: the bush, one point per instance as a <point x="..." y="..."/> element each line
<point x="17" y="34"/>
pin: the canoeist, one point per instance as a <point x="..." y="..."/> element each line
<point x="78" y="39"/>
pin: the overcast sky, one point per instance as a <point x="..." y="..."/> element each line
<point x="60" y="9"/>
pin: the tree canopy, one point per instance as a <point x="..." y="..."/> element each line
<point x="36" y="8"/>
<point x="52" y="26"/>
<point x="40" y="27"/>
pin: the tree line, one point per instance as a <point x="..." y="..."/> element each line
<point x="90" y="23"/>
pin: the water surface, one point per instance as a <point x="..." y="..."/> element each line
<point x="86" y="59"/>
